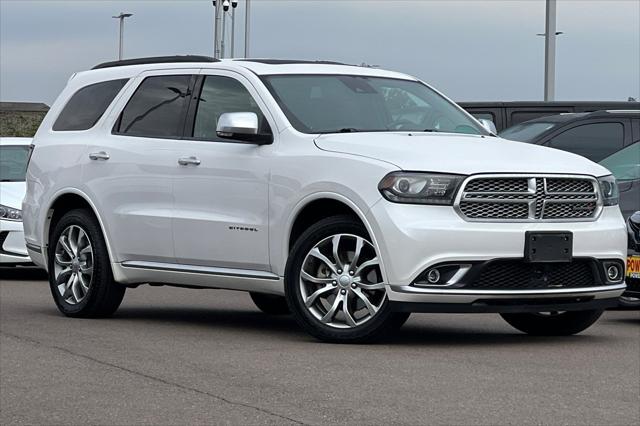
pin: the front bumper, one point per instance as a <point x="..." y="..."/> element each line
<point x="12" y="246"/>
<point x="412" y="238"/>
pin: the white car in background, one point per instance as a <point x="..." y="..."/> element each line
<point x="14" y="155"/>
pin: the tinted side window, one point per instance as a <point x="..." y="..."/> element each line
<point x="624" y="164"/>
<point x="595" y="141"/>
<point x="157" y="108"/>
<point x="218" y="96"/>
<point x="87" y="105"/>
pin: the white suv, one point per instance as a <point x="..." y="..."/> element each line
<point x="347" y="195"/>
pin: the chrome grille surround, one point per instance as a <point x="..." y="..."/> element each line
<point x="547" y="198"/>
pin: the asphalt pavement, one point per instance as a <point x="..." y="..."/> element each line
<point x="179" y="356"/>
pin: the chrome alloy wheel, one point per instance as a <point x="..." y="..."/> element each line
<point x="341" y="282"/>
<point x="73" y="264"/>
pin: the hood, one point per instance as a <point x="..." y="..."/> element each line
<point x="12" y="193"/>
<point x="460" y="154"/>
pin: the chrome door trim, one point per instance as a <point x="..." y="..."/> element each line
<point x="194" y="269"/>
<point x="141" y="272"/>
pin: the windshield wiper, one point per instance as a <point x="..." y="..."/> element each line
<point x="431" y="130"/>
<point x="343" y="130"/>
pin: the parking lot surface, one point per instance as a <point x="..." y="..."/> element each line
<point x="177" y="356"/>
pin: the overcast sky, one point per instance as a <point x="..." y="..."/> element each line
<point x="471" y="50"/>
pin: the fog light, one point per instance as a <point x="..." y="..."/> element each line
<point x="613" y="273"/>
<point x="433" y="276"/>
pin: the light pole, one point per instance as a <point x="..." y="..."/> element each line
<point x="234" y="5"/>
<point x="220" y="24"/>
<point x="247" y="10"/>
<point x="121" y="17"/>
<point x="550" y="51"/>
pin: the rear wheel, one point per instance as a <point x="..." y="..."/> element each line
<point x="552" y="323"/>
<point x="334" y="284"/>
<point x="80" y="274"/>
<point x="270" y="304"/>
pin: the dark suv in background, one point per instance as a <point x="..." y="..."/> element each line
<point x="610" y="138"/>
<point x="507" y="114"/>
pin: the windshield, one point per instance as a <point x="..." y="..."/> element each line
<point x="13" y="163"/>
<point x="346" y="103"/>
<point x="526" y="132"/>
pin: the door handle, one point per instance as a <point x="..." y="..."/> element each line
<point x="185" y="161"/>
<point x="99" y="155"/>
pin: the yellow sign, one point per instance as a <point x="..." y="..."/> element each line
<point x="633" y="267"/>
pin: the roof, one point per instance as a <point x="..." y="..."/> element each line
<point x="559" y="118"/>
<point x="271" y="66"/>
<point x="589" y="104"/>
<point x="23" y="107"/>
<point x="595" y="114"/>
<point x="570" y="116"/>
<point x="15" y="141"/>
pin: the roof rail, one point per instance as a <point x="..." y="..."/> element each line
<point x="289" y="61"/>
<point x="156" y="60"/>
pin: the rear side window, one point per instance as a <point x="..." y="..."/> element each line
<point x="157" y="108"/>
<point x="595" y="141"/>
<point x="87" y="105"/>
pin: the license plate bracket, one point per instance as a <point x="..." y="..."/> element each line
<point x="548" y="246"/>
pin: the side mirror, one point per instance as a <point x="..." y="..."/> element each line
<point x="489" y="125"/>
<point x="241" y="126"/>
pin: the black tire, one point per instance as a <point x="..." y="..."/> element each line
<point x="398" y="319"/>
<point x="560" y="324"/>
<point x="376" y="327"/>
<point x="628" y="302"/>
<point x="270" y="304"/>
<point x="104" y="295"/>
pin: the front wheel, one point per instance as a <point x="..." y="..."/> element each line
<point x="334" y="285"/>
<point x="552" y="323"/>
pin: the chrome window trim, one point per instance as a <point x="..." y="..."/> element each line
<point x="532" y="204"/>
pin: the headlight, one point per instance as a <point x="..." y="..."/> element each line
<point x="9" y="213"/>
<point x="420" y="188"/>
<point x="609" y="190"/>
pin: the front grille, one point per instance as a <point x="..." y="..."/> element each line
<point x="493" y="210"/>
<point x="516" y="198"/>
<point x="569" y="185"/>
<point x="563" y="210"/>
<point x="498" y="185"/>
<point x="519" y="275"/>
